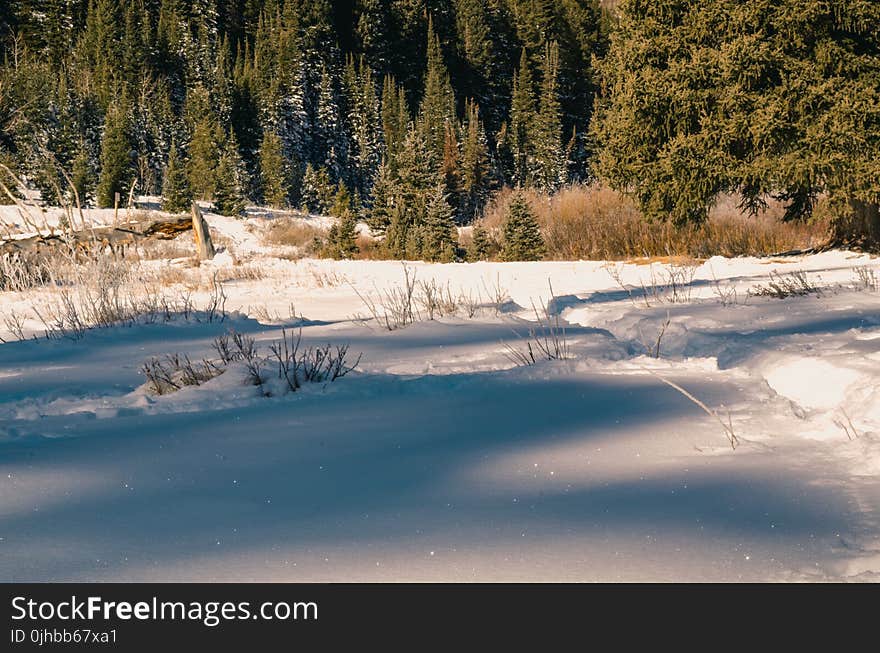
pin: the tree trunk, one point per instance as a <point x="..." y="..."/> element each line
<point x="202" y="234"/>
<point x="857" y="227"/>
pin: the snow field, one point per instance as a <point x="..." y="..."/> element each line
<point x="440" y="458"/>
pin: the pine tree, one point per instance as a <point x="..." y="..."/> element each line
<point x="365" y="126"/>
<point x="82" y="177"/>
<point x="437" y="110"/>
<point x="331" y="147"/>
<point x="205" y="146"/>
<point x="176" y="192"/>
<point x="229" y="198"/>
<point x="318" y="192"/>
<point x="483" y="69"/>
<point x="439" y="237"/>
<point x="704" y="113"/>
<point x="275" y="172"/>
<point x="342" y="202"/>
<point x="480" y="246"/>
<point x="99" y="50"/>
<point x="342" y="238"/>
<point x="450" y="167"/>
<point x="116" y="164"/>
<point x="395" y="119"/>
<point x="418" y="174"/>
<point x="373" y="32"/>
<point x="523" y="116"/>
<point x="381" y="209"/>
<point x="306" y="71"/>
<point x="475" y="181"/>
<point x="522" y="235"/>
<point x="550" y="161"/>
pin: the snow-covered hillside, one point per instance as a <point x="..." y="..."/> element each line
<point x="442" y="458"/>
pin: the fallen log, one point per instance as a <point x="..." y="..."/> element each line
<point x="100" y="237"/>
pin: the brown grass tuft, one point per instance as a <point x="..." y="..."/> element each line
<point x="290" y="232"/>
<point x="597" y="223"/>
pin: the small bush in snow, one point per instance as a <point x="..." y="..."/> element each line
<point x="394" y="308"/>
<point x="175" y="371"/>
<point x="791" y="284"/>
<point x="866" y="278"/>
<point x="437" y="300"/>
<point x="546" y="340"/>
<point x="413" y="301"/>
<point x="673" y="285"/>
<point x="294" y="365"/>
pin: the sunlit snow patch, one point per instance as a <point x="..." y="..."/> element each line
<point x="811" y="382"/>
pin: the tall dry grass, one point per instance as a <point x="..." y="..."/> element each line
<point x="290" y="232"/>
<point x="596" y="222"/>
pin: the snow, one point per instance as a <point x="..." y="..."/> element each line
<point x="440" y="459"/>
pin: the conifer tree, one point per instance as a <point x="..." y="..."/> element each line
<point x="342" y="202"/>
<point x="342" y="238"/>
<point x="480" y="245"/>
<point x="418" y="174"/>
<point x="365" y="125"/>
<point x="450" y="166"/>
<point x="395" y="119"/>
<point x="398" y="234"/>
<point x="229" y="198"/>
<point x="768" y="119"/>
<point x="331" y="147"/>
<point x="116" y="163"/>
<point x="437" y="110"/>
<point x="99" y="50"/>
<point x="373" y="33"/>
<point x="550" y="163"/>
<point x="82" y="176"/>
<point x="206" y="144"/>
<point x="306" y="71"/>
<point x="523" y="116"/>
<point x="438" y="231"/>
<point x="318" y="192"/>
<point x="483" y="71"/>
<point x="522" y="235"/>
<point x="275" y="172"/>
<point x="176" y="193"/>
<point x="475" y="182"/>
<point x="381" y="209"/>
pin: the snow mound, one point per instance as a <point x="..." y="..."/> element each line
<point x="811" y="382"/>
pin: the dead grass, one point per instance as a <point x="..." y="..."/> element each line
<point x="370" y="249"/>
<point x="291" y="232"/>
<point x="598" y="223"/>
<point x="181" y="247"/>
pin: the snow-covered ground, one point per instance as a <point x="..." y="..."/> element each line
<point x="440" y="458"/>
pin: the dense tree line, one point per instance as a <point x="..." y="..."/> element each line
<point x="409" y="113"/>
<point x="761" y="98"/>
<point x="413" y="110"/>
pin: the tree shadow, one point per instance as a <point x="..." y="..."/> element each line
<point x="366" y="464"/>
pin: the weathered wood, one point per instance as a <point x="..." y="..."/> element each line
<point x="202" y="234"/>
<point x="162" y="229"/>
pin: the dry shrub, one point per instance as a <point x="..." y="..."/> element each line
<point x="292" y="232"/>
<point x="370" y="249"/>
<point x="219" y="239"/>
<point x="596" y="222"/>
<point x="180" y="247"/>
<point x="241" y="272"/>
<point x="169" y="275"/>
